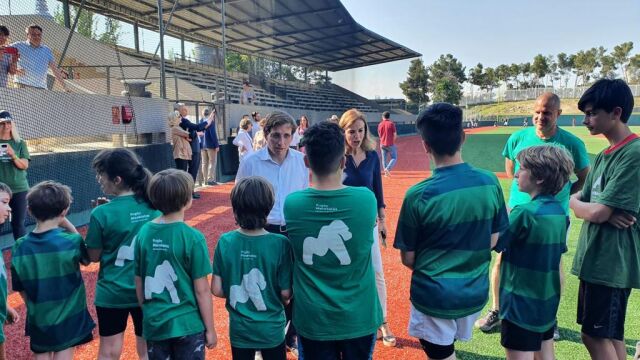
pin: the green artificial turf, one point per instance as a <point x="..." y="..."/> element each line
<point x="484" y="150"/>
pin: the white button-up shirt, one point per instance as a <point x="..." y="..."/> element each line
<point x="292" y="175"/>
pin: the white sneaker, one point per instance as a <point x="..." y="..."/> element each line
<point x="258" y="355"/>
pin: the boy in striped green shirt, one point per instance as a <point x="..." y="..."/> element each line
<point x="447" y="227"/>
<point x="531" y="251"/>
<point x="45" y="269"/>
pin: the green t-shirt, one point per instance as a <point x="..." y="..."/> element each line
<point x="168" y="258"/>
<point x="113" y="228"/>
<point x="254" y="269"/>
<point x="331" y="234"/>
<point x="15" y="178"/>
<point x="3" y="300"/>
<point x="46" y="268"/>
<point x="526" y="138"/>
<point x="606" y="255"/>
<point x="530" y="268"/>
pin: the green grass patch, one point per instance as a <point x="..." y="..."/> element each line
<point x="523" y="108"/>
<point x="484" y="150"/>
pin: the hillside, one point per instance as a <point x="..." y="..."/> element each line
<point x="516" y="108"/>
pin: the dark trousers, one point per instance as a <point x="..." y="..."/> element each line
<point x="290" y="337"/>
<point x="276" y="353"/>
<point x="183" y="347"/>
<point x="182" y="164"/>
<point x="194" y="164"/>
<point x="18" y="204"/>
<point x="350" y="349"/>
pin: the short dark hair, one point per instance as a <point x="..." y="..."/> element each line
<point x="4" y="30"/>
<point x="551" y="164"/>
<point x="254" y="113"/>
<point x="276" y="119"/>
<point x="252" y="199"/>
<point x="34" y="26"/>
<point x="5" y="189"/>
<point x="48" y="200"/>
<point x="386" y="114"/>
<point x="170" y="190"/>
<point x="324" y="145"/>
<point x="440" y="126"/>
<point x="607" y="94"/>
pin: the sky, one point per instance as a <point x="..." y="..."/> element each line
<point x="491" y="32"/>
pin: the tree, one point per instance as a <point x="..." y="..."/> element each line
<point x="553" y="69"/>
<point x="608" y="67"/>
<point x="503" y="74"/>
<point x="585" y="62"/>
<point x="514" y="72"/>
<point x="447" y="66"/>
<point x="444" y="73"/>
<point x="634" y="69"/>
<point x="447" y="89"/>
<point x="111" y="33"/>
<point x="415" y="87"/>
<point x="476" y="75"/>
<point x="86" y="23"/>
<point x="621" y="57"/>
<point x="539" y="68"/>
<point x="237" y="62"/>
<point x="525" y="70"/>
<point x="565" y="65"/>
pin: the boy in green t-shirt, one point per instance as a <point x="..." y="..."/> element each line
<point x="7" y="313"/>
<point x="336" y="309"/>
<point x="607" y="259"/>
<point x="531" y="251"/>
<point x="45" y="270"/>
<point x="252" y="269"/>
<point x="171" y="267"/>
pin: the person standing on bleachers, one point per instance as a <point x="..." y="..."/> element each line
<point x="247" y="96"/>
<point x="35" y="58"/>
<point x="8" y="57"/>
<point x="388" y="135"/>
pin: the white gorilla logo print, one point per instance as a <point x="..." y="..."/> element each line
<point x="125" y="253"/>
<point x="331" y="237"/>
<point x="252" y="283"/>
<point x="163" y="278"/>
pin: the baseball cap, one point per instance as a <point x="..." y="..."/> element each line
<point x="5" y="116"/>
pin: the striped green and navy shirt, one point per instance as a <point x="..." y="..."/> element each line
<point x="529" y="273"/>
<point x="45" y="267"/>
<point x="447" y="220"/>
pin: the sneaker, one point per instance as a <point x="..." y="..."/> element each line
<point x="258" y="355"/>
<point x="212" y="182"/>
<point x="637" y="355"/>
<point x="489" y="321"/>
<point x="388" y="339"/>
<point x="195" y="195"/>
<point x="387" y="173"/>
<point x="556" y="332"/>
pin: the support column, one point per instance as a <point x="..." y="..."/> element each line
<point x="136" y="36"/>
<point x="182" y="48"/>
<point x="163" y="79"/>
<point x="66" y="13"/>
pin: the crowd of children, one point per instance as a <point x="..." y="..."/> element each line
<point x="155" y="267"/>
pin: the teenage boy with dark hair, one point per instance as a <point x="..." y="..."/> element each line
<point x="45" y="269"/>
<point x="446" y="239"/>
<point x="607" y="259"/>
<point x="532" y="248"/>
<point x="336" y="309"/>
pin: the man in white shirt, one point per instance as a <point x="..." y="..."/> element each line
<point x="284" y="168"/>
<point x="35" y="59"/>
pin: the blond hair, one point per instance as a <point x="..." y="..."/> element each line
<point x="551" y="164"/>
<point x="245" y="123"/>
<point x="174" y="118"/>
<point x="349" y="118"/>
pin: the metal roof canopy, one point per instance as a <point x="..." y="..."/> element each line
<point x="319" y="34"/>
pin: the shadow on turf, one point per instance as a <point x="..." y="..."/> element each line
<point x="465" y="355"/>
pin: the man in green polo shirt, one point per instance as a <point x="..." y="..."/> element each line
<point x="544" y="132"/>
<point x="607" y="259"/>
